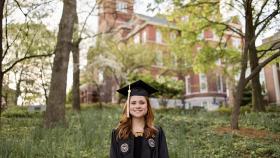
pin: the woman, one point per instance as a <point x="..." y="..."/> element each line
<point x="135" y="135"/>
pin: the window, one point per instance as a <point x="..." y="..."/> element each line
<point x="236" y="42"/>
<point x="262" y="81"/>
<point x="203" y="83"/>
<point x="144" y="37"/>
<point x="204" y="104"/>
<point x="121" y="7"/>
<point x="100" y="76"/>
<point x="219" y="83"/>
<point x="173" y="35"/>
<point x="188" y="84"/>
<point x="137" y="38"/>
<point x="158" y="36"/>
<point x="159" y="60"/>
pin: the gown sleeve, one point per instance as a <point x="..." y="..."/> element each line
<point x="113" y="149"/>
<point x="163" y="150"/>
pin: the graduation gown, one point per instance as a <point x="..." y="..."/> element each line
<point x="151" y="147"/>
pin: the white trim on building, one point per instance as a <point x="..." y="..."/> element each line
<point x="188" y="84"/>
<point x="276" y="83"/>
<point x="203" y="86"/>
<point x="158" y="36"/>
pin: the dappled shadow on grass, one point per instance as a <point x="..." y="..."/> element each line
<point x="248" y="132"/>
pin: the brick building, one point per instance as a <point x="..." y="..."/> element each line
<point x="270" y="75"/>
<point x="117" y="17"/>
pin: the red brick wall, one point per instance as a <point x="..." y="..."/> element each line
<point x="151" y="32"/>
<point x="110" y="18"/>
<point x="270" y="83"/>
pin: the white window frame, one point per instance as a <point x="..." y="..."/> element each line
<point x="220" y="86"/>
<point x="203" y="80"/>
<point x="204" y="104"/>
<point x="262" y="80"/>
<point x="236" y="42"/>
<point x="100" y="76"/>
<point x="188" y="84"/>
<point x="136" y="38"/>
<point x="144" y="36"/>
<point x="121" y="6"/>
<point x="158" y="36"/>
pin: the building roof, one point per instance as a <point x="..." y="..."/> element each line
<point x="156" y="20"/>
<point x="273" y="40"/>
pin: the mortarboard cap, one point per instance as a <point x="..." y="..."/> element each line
<point x="138" y="88"/>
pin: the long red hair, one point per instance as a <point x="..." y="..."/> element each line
<point x="124" y="128"/>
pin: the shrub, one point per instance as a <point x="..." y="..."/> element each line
<point x="273" y="108"/>
<point x="225" y="110"/>
<point x="16" y="111"/>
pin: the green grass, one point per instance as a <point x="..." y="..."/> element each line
<point x="189" y="134"/>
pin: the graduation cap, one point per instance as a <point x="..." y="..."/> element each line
<point x="138" y="88"/>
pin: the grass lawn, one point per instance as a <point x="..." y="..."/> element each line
<point x="189" y="134"/>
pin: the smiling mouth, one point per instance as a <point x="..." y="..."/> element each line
<point x="138" y="110"/>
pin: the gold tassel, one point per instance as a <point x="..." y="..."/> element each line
<point x="128" y="102"/>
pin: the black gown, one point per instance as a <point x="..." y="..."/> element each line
<point x="139" y="147"/>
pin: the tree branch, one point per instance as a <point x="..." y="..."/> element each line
<point x="261" y="65"/>
<point x="271" y="48"/>
<point x="90" y="13"/>
<point x="236" y="30"/>
<point x="266" y="21"/>
<point x="237" y="9"/>
<point x="25" y="58"/>
<point x="25" y="14"/>
<point x="260" y="12"/>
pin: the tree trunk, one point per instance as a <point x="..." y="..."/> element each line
<point x="2" y="3"/>
<point x="76" y="70"/>
<point x="236" y="105"/>
<point x="257" y="98"/>
<point x="55" y="112"/>
<point x="76" y="77"/>
<point x="249" y="39"/>
<point x="18" y="85"/>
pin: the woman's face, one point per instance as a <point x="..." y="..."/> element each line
<point x="138" y="106"/>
